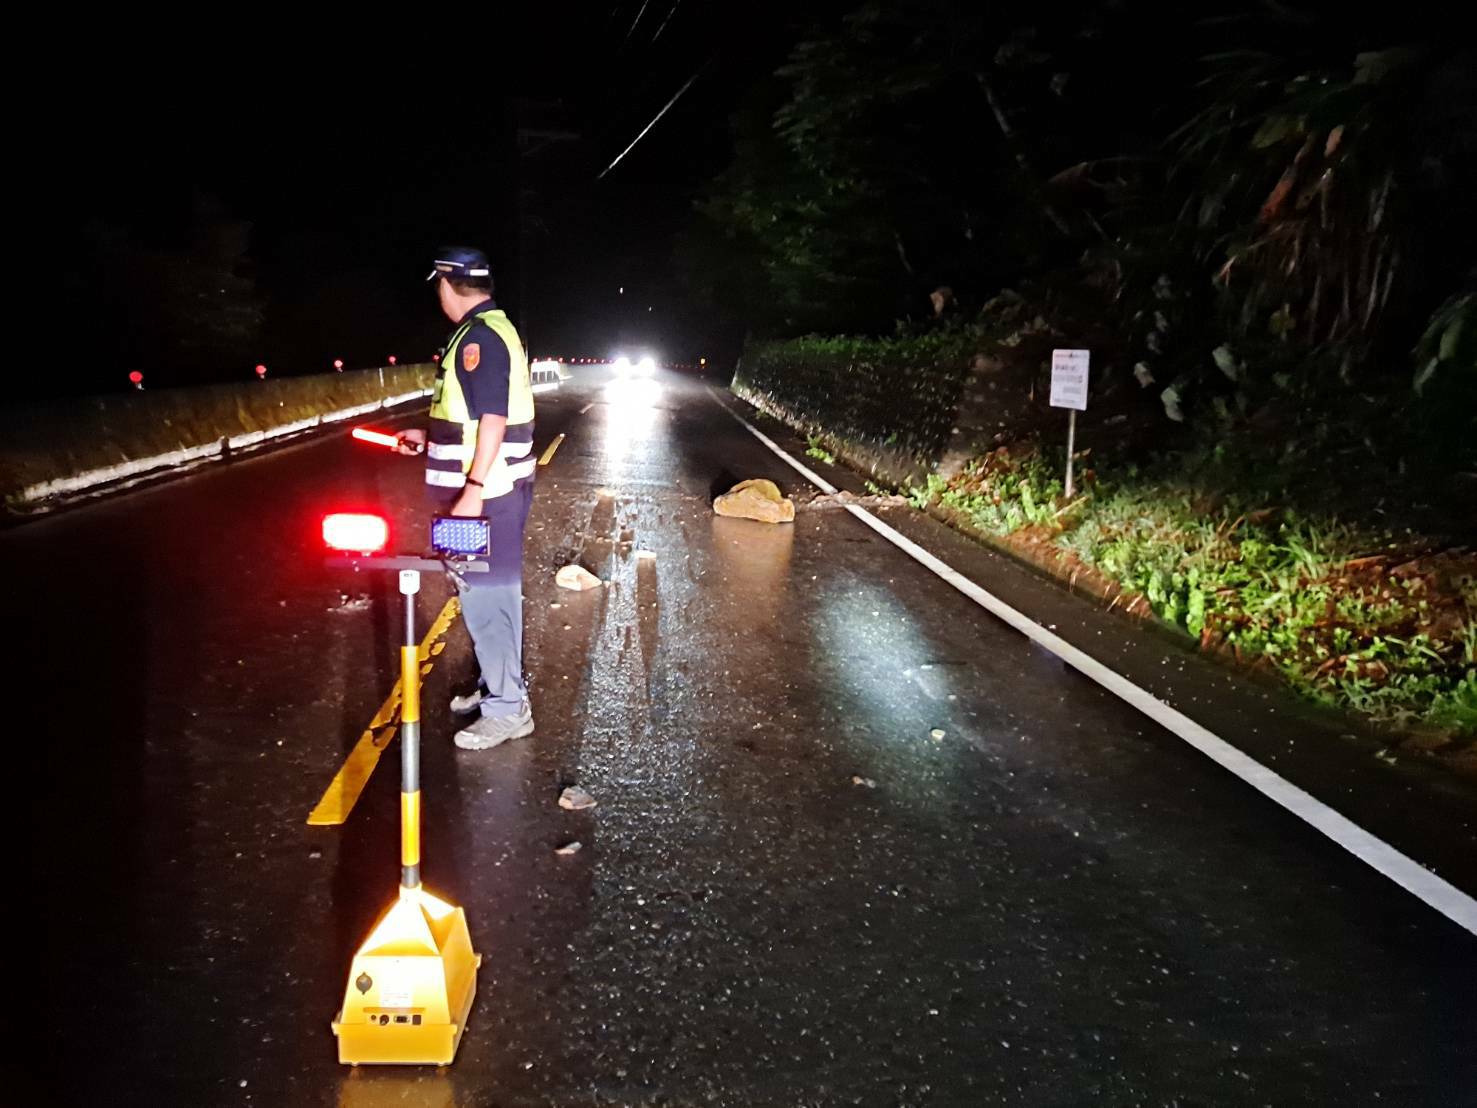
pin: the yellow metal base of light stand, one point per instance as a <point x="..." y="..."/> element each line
<point x="410" y="987"/>
<point x="412" y="983"/>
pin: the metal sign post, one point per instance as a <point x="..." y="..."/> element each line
<point x="1071" y="447"/>
<point x="1069" y="390"/>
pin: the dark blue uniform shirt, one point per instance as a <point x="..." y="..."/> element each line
<point x="485" y="382"/>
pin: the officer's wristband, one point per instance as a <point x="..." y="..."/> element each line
<point x="473" y="481"/>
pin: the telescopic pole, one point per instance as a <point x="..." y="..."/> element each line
<point x="410" y="739"/>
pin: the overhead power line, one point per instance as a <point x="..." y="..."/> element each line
<point x="687" y="85"/>
<point x="663" y="27"/>
<point x="639" y="14"/>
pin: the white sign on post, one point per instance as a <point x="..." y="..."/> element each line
<point x="1069" y="379"/>
<point x="1069" y="390"/>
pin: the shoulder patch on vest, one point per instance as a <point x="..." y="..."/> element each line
<point x="471" y="356"/>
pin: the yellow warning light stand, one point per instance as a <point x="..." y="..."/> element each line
<point x="412" y="982"/>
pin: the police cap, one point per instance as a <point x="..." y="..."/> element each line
<point x="460" y="261"/>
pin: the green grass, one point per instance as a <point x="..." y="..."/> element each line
<point x="814" y="449"/>
<point x="1266" y="584"/>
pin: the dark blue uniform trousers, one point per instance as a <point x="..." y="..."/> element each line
<point x="492" y="604"/>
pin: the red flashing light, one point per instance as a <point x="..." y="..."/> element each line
<point x="338" y="364"/>
<point x="355" y="532"/>
<point x="261" y="371"/>
<point x="392" y="359"/>
<point x="136" y="377"/>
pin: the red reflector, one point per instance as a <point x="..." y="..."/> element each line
<point x="392" y="359"/>
<point x="338" y="363"/>
<point x="136" y="377"/>
<point x="261" y="371"/>
<point x="355" y="532"/>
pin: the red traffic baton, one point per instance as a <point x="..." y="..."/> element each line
<point x="379" y="438"/>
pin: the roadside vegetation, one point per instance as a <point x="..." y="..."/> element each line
<point x="1330" y="544"/>
<point x="1367" y="620"/>
<point x="1260" y="220"/>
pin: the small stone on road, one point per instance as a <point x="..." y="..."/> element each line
<point x="575" y="799"/>
<point x="577" y="578"/>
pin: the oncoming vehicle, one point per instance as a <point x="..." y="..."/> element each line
<point x="645" y="366"/>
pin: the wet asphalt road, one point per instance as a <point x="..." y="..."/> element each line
<point x="1056" y="903"/>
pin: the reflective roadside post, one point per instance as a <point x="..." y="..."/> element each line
<point x="1069" y="390"/>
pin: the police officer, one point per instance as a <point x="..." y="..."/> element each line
<point x="479" y="461"/>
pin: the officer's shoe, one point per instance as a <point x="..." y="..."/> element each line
<point x="467" y="702"/>
<point x="490" y="731"/>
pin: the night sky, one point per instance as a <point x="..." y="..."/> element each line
<point x="331" y="162"/>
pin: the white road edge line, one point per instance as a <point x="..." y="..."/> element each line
<point x="1409" y="874"/>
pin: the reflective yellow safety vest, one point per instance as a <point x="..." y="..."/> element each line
<point x="452" y="437"/>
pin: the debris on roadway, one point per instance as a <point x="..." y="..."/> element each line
<point x="865" y="782"/>
<point x="569" y="848"/>
<point x="577" y="578"/>
<point x="757" y="499"/>
<point x="575" y="799"/>
<point x="936" y="734"/>
<point x="841" y="499"/>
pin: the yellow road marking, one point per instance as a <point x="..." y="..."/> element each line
<point x="553" y="446"/>
<point x="343" y="791"/>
